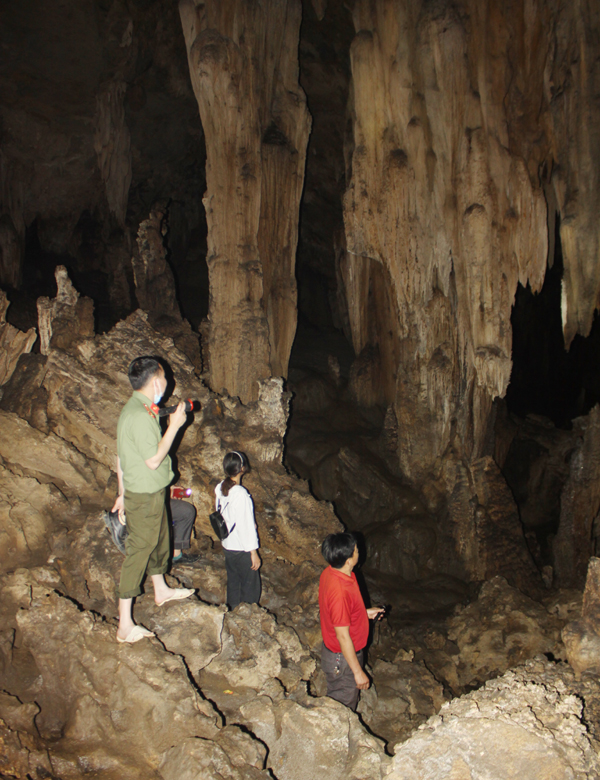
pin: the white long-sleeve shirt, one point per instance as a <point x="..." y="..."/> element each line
<point x="237" y="507"/>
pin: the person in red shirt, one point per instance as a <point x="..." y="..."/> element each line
<point x="344" y="621"/>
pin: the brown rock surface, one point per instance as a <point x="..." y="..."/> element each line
<point x="255" y="651"/>
<point x="524" y="724"/>
<point x="501" y="629"/>
<point x="322" y="739"/>
<point x="13" y="342"/>
<point x="96" y="693"/>
<point x="582" y="637"/>
<point x="468" y="136"/>
<point x="256" y="125"/>
<point x="579" y="506"/>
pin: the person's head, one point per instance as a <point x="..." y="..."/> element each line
<point x="146" y="373"/>
<point x="337" y="548"/>
<point x="235" y="463"/>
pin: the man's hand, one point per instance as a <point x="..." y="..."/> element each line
<point x="119" y="506"/>
<point x="343" y="636"/>
<point x="176" y="420"/>
<point x="374" y="612"/>
<point x="256" y="562"/>
<point x="362" y="681"/>
<point x="178" y="417"/>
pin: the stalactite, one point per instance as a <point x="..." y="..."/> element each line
<point x="112" y="143"/>
<point x="458" y="140"/>
<point x="244" y="70"/>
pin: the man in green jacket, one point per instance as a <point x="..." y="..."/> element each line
<point x="144" y="472"/>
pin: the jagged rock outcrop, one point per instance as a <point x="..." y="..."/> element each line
<point x="316" y="739"/>
<point x="81" y="386"/>
<point x="524" y="724"/>
<point x="579" y="506"/>
<point x="582" y="637"/>
<point x="244" y="69"/>
<point x="67" y="318"/>
<point x="255" y="651"/>
<point x="155" y="285"/>
<point x="502" y="629"/>
<point x="13" y="342"/>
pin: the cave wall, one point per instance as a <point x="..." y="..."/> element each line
<point x="472" y="123"/>
<point x="98" y="122"/>
<point x="244" y="68"/>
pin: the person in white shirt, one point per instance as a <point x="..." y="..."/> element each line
<point x="242" y="560"/>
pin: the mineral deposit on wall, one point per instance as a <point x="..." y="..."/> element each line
<point x="244" y="69"/>
<point x="472" y="124"/>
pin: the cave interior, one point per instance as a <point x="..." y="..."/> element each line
<point x="365" y="235"/>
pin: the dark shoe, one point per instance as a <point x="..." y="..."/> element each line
<point x="116" y="529"/>
<point x="186" y="560"/>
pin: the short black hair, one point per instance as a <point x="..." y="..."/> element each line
<point x="142" y="370"/>
<point x="337" y="548"/>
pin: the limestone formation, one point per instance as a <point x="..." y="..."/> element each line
<point x="579" y="506"/>
<point x="470" y="126"/>
<point x="502" y="629"/>
<point x="524" y="724"/>
<point x="67" y="318"/>
<point x="255" y="651"/>
<point x="244" y="70"/>
<point x="445" y="211"/>
<point x="13" y="342"/>
<point x="315" y="742"/>
<point x="112" y="144"/>
<point x="582" y="637"/>
<point x="155" y="285"/>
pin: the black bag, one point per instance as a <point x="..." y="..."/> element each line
<point x="116" y="529"/>
<point x="219" y="525"/>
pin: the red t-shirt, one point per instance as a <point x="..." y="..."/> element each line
<point x="341" y="604"/>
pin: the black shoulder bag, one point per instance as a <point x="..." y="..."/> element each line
<point x="219" y="525"/>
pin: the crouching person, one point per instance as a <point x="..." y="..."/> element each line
<point x="344" y="621"/>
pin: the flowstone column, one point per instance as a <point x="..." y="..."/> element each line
<point x="243" y="60"/>
<point x="440" y="206"/>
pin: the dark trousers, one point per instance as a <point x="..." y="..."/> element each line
<point x="243" y="584"/>
<point x="341" y="684"/>
<point x="183" y="515"/>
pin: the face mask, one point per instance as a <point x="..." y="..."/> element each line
<point x="157" y="396"/>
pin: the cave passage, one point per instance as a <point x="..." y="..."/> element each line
<point x="546" y="378"/>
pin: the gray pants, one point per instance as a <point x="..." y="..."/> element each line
<point x="341" y="684"/>
<point x="183" y="515"/>
<point x="243" y="584"/>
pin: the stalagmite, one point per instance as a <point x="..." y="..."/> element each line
<point x="244" y="69"/>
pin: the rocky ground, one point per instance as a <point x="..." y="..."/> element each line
<point x="469" y="682"/>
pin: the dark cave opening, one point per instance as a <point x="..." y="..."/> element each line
<point x="547" y="379"/>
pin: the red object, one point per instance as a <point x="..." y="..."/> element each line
<point x="341" y="604"/>
<point x="180" y="492"/>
